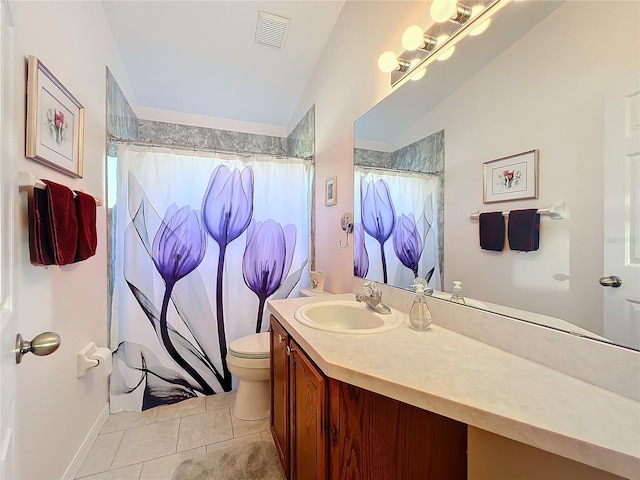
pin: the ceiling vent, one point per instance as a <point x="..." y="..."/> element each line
<point x="271" y="30"/>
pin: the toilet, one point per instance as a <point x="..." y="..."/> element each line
<point x="248" y="359"/>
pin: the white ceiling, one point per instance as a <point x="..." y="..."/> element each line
<point x="200" y="57"/>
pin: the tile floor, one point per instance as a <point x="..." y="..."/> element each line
<point x="150" y="445"/>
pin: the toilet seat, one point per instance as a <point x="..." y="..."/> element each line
<point x="256" y="346"/>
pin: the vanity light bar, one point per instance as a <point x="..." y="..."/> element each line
<point x="427" y="57"/>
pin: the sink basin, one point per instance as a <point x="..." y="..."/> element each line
<point x="347" y="317"/>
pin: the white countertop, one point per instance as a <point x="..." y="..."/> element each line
<point x="480" y="385"/>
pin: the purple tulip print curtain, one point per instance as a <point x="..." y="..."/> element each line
<point x="201" y="243"/>
<point x="396" y="229"/>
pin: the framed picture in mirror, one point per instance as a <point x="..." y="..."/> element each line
<point x="330" y="191"/>
<point x="55" y="122"/>
<point x="511" y="178"/>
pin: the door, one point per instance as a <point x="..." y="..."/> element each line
<point x="309" y="408"/>
<point x="622" y="212"/>
<point x="280" y="391"/>
<point x="8" y="318"/>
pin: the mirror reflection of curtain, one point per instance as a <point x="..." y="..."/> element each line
<point x="412" y="246"/>
<point x="202" y="242"/>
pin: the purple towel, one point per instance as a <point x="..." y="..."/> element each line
<point x="524" y="230"/>
<point x="491" y="231"/>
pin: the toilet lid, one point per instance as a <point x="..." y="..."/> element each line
<point x="251" y="346"/>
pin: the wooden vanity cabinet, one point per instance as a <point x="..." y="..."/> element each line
<point x="279" y="339"/>
<point x="324" y="428"/>
<point x="298" y="409"/>
<point x="308" y="422"/>
<point x="377" y="437"/>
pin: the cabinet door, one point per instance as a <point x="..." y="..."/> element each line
<point x="376" y="437"/>
<point x="280" y="391"/>
<point x="308" y="407"/>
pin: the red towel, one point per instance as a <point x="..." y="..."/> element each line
<point x="524" y="230"/>
<point x="491" y="231"/>
<point x="87" y="236"/>
<point x="63" y="229"/>
<point x="40" y="245"/>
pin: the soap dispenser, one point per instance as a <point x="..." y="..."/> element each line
<point x="419" y="315"/>
<point x="456" y="296"/>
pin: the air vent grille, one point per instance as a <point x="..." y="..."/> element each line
<point x="271" y="30"/>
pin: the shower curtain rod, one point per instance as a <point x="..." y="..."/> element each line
<point x="182" y="146"/>
<point x="397" y="170"/>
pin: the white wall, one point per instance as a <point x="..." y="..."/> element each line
<point x="345" y="84"/>
<point x="56" y="411"/>
<point x="169" y="116"/>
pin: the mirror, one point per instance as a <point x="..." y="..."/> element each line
<point x="561" y="78"/>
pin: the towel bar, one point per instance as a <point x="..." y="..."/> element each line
<point x="28" y="180"/>
<point x="555" y="212"/>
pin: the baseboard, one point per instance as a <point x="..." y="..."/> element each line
<point x="83" y="451"/>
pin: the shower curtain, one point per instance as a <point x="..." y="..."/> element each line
<point x="201" y="242"/>
<point x="396" y="231"/>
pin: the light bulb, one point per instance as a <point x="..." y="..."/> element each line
<point x="475" y="10"/>
<point x="441" y="40"/>
<point x="413" y="38"/>
<point x="447" y="53"/>
<point x="443" y="10"/>
<point x="388" y="62"/>
<point x="419" y="73"/>
<point x="483" y="26"/>
<point x="480" y="28"/>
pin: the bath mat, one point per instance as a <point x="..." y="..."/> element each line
<point x="248" y="461"/>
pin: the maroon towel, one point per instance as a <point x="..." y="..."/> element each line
<point x="524" y="230"/>
<point x="40" y="244"/>
<point x="491" y="231"/>
<point x="86" y="216"/>
<point x="63" y="224"/>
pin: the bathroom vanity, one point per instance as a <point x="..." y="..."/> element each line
<point x="325" y="428"/>
<point x="399" y="403"/>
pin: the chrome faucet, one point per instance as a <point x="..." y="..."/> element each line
<point x="372" y="298"/>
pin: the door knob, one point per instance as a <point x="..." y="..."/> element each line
<point x="44" y="344"/>
<point x="612" y="281"/>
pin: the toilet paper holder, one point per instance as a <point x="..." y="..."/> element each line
<point x="90" y="357"/>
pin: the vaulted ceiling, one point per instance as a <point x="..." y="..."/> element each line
<point x="200" y="57"/>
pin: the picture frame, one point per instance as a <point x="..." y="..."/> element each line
<point x="511" y="178"/>
<point x="330" y="191"/>
<point x="55" y="122"/>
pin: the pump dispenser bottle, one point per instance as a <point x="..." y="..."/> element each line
<point x="419" y="315"/>
<point x="457" y="293"/>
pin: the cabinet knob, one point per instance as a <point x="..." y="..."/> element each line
<point x="289" y="350"/>
<point x="279" y="338"/>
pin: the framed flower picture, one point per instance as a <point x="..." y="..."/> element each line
<point x="511" y="178"/>
<point x="330" y="191"/>
<point x="55" y="122"/>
